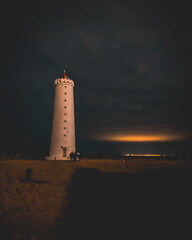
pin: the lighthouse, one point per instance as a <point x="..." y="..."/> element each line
<point x="63" y="125"/>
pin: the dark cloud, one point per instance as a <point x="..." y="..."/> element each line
<point x="130" y="62"/>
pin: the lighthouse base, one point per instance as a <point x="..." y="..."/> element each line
<point x="57" y="158"/>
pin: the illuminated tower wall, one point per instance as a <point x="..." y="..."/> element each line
<point x="63" y="125"/>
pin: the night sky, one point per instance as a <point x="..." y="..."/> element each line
<point x="131" y="64"/>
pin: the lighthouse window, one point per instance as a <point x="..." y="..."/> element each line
<point x="65" y="113"/>
<point x="64" y="127"/>
<point x="64" y="151"/>
<point x="65" y="107"/>
<point x="65" y="120"/>
<point x="64" y="135"/>
<point x="65" y="93"/>
<point x="65" y="86"/>
<point x="65" y="100"/>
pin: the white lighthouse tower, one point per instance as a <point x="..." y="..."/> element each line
<point x="63" y="125"/>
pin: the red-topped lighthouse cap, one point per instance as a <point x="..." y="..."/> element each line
<point x="64" y="75"/>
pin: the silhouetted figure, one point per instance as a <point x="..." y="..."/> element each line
<point x="78" y="156"/>
<point x="71" y="155"/>
<point x="125" y="163"/>
<point x="8" y="177"/>
<point x="28" y="176"/>
<point x="75" y="156"/>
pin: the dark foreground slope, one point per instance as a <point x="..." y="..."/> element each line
<point x="150" y="205"/>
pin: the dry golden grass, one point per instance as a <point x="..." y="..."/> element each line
<point x="132" y="165"/>
<point x="39" y="203"/>
<point x="36" y="203"/>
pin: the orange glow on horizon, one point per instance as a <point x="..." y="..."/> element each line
<point x="142" y="138"/>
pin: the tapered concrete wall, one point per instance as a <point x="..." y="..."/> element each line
<point x="63" y="125"/>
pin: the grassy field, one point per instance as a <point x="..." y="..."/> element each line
<point x="39" y="208"/>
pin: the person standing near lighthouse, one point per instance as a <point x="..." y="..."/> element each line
<point x="63" y="125"/>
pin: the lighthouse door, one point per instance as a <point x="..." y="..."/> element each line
<point x="64" y="151"/>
